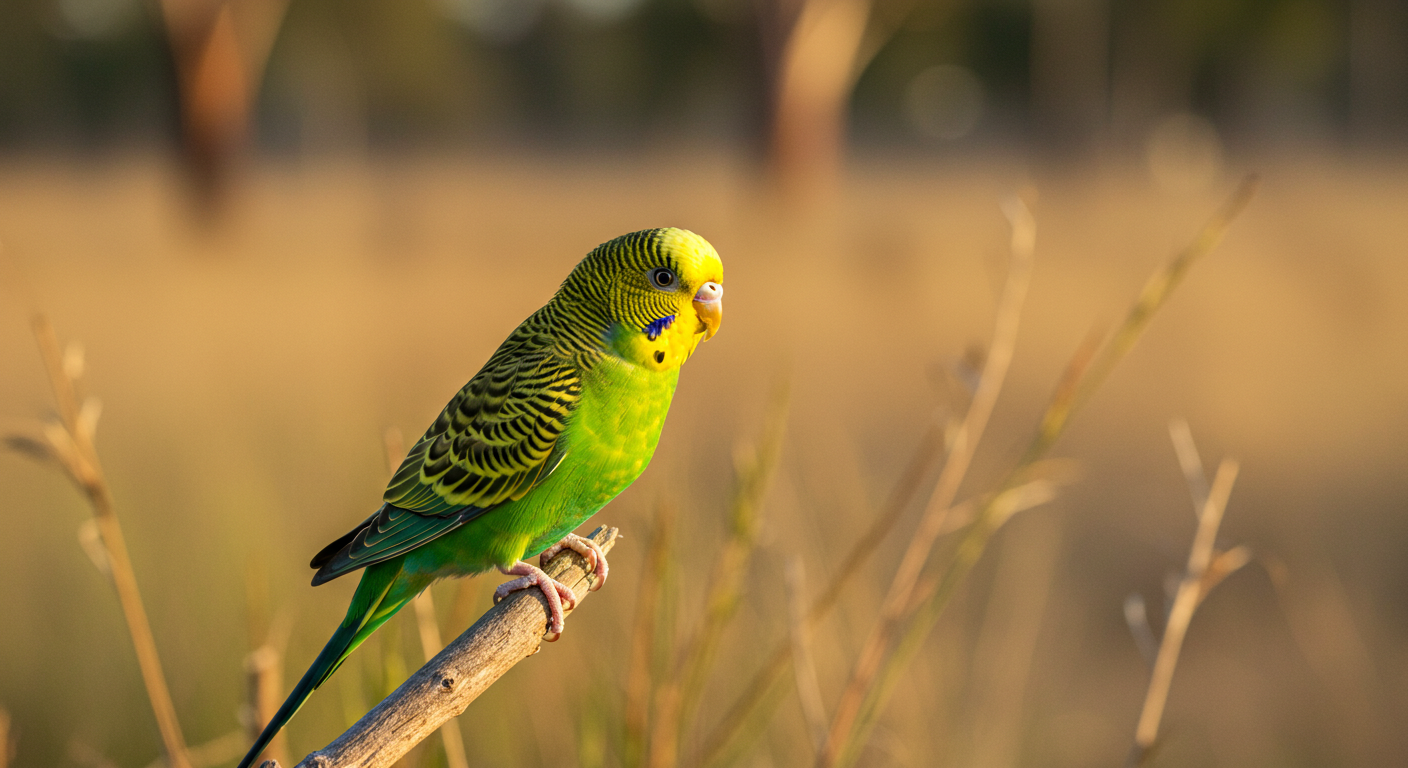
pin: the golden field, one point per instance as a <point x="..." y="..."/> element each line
<point x="248" y="367"/>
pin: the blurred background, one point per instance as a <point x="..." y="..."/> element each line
<point x="279" y="227"/>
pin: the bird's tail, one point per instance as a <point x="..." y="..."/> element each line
<point x="371" y="606"/>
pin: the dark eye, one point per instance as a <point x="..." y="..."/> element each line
<point x="662" y="278"/>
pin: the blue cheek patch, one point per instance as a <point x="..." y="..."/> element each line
<point x="658" y="327"/>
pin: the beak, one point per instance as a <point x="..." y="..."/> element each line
<point x="709" y="306"/>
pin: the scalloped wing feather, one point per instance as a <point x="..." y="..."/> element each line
<point x="495" y="441"/>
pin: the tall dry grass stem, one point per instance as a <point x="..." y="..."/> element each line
<point x="1192" y="588"/>
<point x="1189" y="462"/>
<point x="264" y="691"/>
<point x="1086" y="378"/>
<point x="641" y="683"/>
<point x="729" y="728"/>
<point x="963" y="444"/>
<point x="679" y="698"/>
<point x="866" y="695"/>
<point x="1008" y="640"/>
<point x="803" y="668"/>
<point x="69" y="443"/>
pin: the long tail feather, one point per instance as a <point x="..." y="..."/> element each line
<point x="370" y="609"/>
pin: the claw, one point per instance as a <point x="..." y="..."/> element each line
<point x="588" y="549"/>
<point x="555" y="592"/>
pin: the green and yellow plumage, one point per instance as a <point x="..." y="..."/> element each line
<point x="563" y="417"/>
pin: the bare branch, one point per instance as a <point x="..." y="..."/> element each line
<point x="1190" y="591"/>
<point x="431" y="644"/>
<point x="510" y="632"/>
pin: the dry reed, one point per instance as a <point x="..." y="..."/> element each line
<point x="678" y="699"/>
<point x="874" y="678"/>
<point x="1205" y="569"/>
<point x="640" y="680"/>
<point x="726" y="733"/>
<point x="69" y="444"/>
<point x="876" y="651"/>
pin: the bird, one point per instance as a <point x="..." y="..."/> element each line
<point x="563" y="417"/>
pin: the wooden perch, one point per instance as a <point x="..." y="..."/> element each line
<point x="510" y="632"/>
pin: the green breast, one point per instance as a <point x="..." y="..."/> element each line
<point x="613" y="433"/>
<point x="609" y="440"/>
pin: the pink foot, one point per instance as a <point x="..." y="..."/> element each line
<point x="555" y="592"/>
<point x="588" y="549"/>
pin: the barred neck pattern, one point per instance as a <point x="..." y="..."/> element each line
<point x="596" y="295"/>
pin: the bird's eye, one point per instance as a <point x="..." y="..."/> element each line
<point x="662" y="278"/>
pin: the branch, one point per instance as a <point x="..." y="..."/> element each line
<point x="510" y="632"/>
<point x="1190" y="591"/>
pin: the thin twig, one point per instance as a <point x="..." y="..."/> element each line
<point x="70" y="444"/>
<point x="892" y="611"/>
<point x="1185" y="603"/>
<point x="1190" y="462"/>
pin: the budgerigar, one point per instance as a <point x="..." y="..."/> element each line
<point x="560" y="420"/>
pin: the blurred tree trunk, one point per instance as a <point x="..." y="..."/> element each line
<point x="220" y="48"/>
<point x="1151" y="75"/>
<point x="1378" y="70"/>
<point x="1070" y="61"/>
<point x="814" y="73"/>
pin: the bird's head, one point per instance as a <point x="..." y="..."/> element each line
<point x="662" y="291"/>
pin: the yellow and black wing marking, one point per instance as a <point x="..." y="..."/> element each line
<point x="495" y="441"/>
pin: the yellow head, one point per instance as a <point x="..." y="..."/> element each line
<point x="660" y="291"/>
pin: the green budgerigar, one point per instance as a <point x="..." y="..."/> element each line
<point x="560" y="420"/>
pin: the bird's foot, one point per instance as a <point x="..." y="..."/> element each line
<point x="555" y="592"/>
<point x="585" y="547"/>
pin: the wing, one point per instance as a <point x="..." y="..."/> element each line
<point x="496" y="440"/>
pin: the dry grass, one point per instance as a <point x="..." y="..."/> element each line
<point x="68" y="443"/>
<point x="248" y="374"/>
